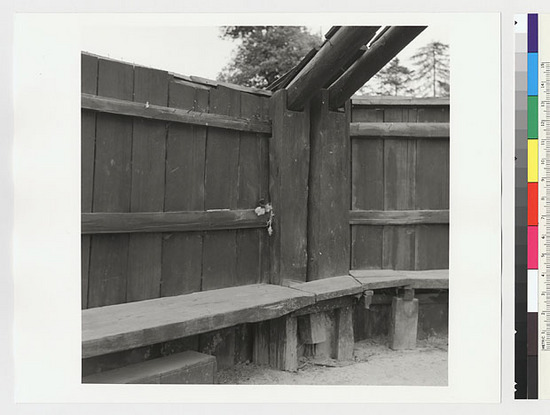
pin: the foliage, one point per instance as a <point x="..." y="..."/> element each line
<point x="265" y="53"/>
<point x="432" y="69"/>
<point x="395" y="79"/>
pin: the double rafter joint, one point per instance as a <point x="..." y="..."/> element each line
<point x="379" y="53"/>
<point x="326" y="63"/>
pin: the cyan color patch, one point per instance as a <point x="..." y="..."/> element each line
<point x="532" y="74"/>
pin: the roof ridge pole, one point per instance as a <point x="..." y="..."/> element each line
<point x="375" y="58"/>
<point x="326" y="63"/>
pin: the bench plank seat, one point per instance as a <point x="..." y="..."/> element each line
<point x="387" y="278"/>
<point x="125" y="326"/>
<point x="328" y="288"/>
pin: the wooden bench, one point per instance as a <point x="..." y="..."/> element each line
<point x="275" y="308"/>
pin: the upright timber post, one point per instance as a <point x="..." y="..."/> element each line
<point x="288" y="185"/>
<point x="329" y="178"/>
<point x="404" y="321"/>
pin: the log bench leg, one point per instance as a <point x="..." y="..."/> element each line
<point x="344" y="340"/>
<point x="276" y="343"/>
<point x="404" y="321"/>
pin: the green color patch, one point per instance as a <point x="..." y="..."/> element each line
<point x="532" y="117"/>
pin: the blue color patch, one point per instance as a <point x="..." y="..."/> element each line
<point x="532" y="74"/>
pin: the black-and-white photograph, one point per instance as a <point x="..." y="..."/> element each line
<point x="270" y="205"/>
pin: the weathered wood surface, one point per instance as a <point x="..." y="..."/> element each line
<point x="344" y="339"/>
<point x="185" y="165"/>
<point x="93" y="223"/>
<point x="181" y="368"/>
<point x="329" y="191"/>
<point x="400" y="129"/>
<point x="125" y="326"/>
<point x="148" y="185"/>
<point x="222" y="167"/>
<point x="326" y="63"/>
<point x="311" y="328"/>
<point x="283" y="345"/>
<point x="380" y="52"/>
<point x="383" y="278"/>
<point x="325" y="305"/>
<point x="405" y="101"/>
<point x="112" y="187"/>
<point x="398" y="217"/>
<point x="289" y="172"/>
<point x="89" y="66"/>
<point x="404" y="324"/>
<point x="164" y="113"/>
<point x="328" y="288"/>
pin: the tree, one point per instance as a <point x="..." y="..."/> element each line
<point x="432" y="73"/>
<point x="265" y="53"/>
<point x="395" y="79"/>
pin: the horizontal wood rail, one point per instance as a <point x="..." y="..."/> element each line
<point x="400" y="129"/>
<point x="118" y="222"/>
<point x="415" y="102"/>
<point x="156" y="112"/>
<point x="398" y="217"/>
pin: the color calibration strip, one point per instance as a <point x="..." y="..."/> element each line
<point x="542" y="74"/>
<point x="521" y="199"/>
<point x="532" y="205"/>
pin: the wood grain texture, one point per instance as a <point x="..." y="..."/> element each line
<point x="366" y="114"/>
<point x="147" y="222"/>
<point x="260" y="353"/>
<point x="366" y="247"/>
<point x="400" y="129"/>
<point x="391" y="101"/>
<point x="367" y="174"/>
<point x="432" y="175"/>
<point x="252" y="188"/>
<point x="185" y="169"/>
<point x="399" y="174"/>
<point x="435" y="114"/>
<point x="182" y="368"/>
<point x="432" y="247"/>
<point x="398" y="217"/>
<point x="112" y="178"/>
<point x="398" y="250"/>
<point x="427" y="279"/>
<point x="311" y="328"/>
<point x="164" y="113"/>
<point x="328" y="245"/>
<point x="89" y="72"/>
<point x="283" y="346"/>
<point x="375" y="58"/>
<point x="404" y="323"/>
<point x="328" y="288"/>
<point x="221" y="191"/>
<point x="125" y="326"/>
<point x="343" y="339"/>
<point x="148" y="179"/>
<point x="326" y="63"/>
<point x="289" y="170"/>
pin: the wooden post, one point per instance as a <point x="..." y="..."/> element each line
<point x="377" y="56"/>
<point x="288" y="184"/>
<point x="312" y="328"/>
<point x="329" y="178"/>
<point x="344" y="340"/>
<point x="283" y="345"/>
<point x="404" y="321"/>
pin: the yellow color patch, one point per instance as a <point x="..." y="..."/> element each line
<point x="532" y="161"/>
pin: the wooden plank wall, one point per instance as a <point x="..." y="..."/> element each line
<point x="400" y="173"/>
<point x="132" y="164"/>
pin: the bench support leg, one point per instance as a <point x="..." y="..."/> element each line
<point x="404" y="322"/>
<point x="312" y="328"/>
<point x="276" y="343"/>
<point x="344" y="340"/>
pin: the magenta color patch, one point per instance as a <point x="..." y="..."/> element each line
<point x="532" y="247"/>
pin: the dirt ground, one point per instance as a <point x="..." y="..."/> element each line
<point x="374" y="364"/>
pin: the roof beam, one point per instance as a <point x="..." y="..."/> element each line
<point x="380" y="52"/>
<point x="326" y="63"/>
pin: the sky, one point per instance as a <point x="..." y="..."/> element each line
<point x="195" y="51"/>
